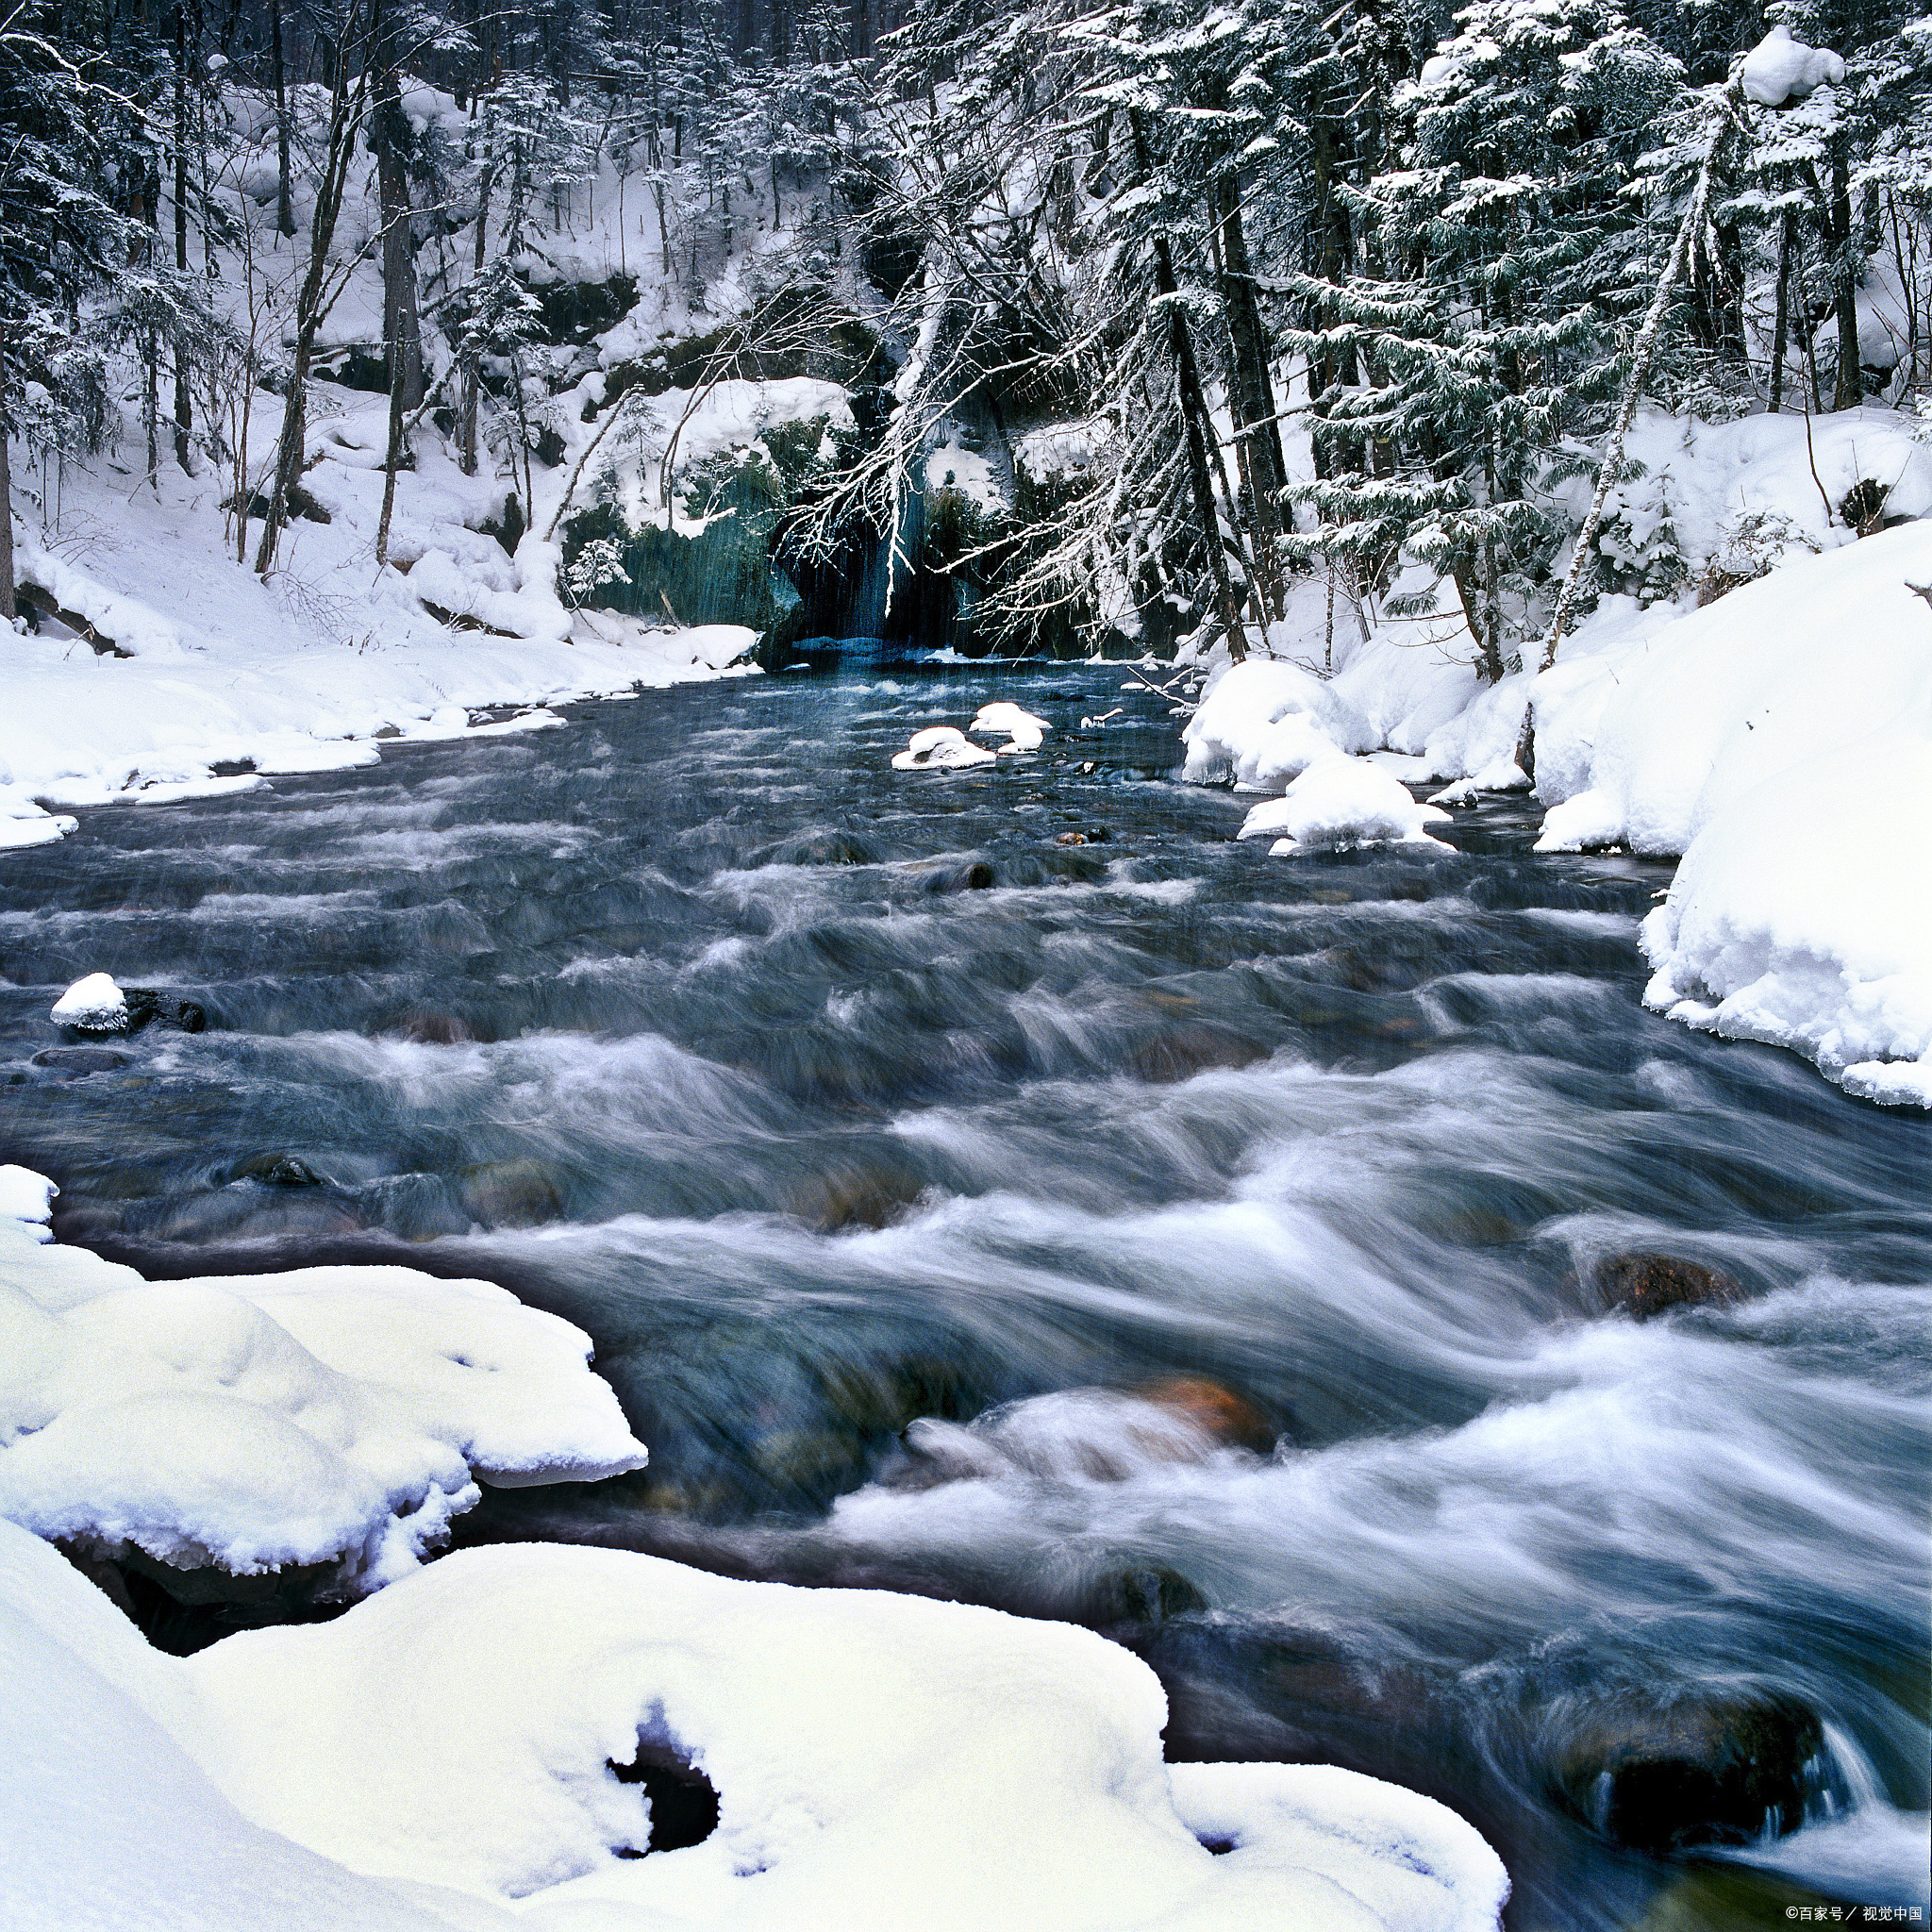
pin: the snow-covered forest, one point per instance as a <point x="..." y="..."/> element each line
<point x="1252" y="967"/>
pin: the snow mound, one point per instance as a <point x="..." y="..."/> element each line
<point x="106" y="1819"/>
<point x="1337" y="804"/>
<point x="880" y="1761"/>
<point x="94" y="1002"/>
<point x="941" y="748"/>
<point x="1781" y="68"/>
<point x="1025" y="732"/>
<point x="27" y="1198"/>
<point x="330" y="1416"/>
<point x="1262" y="723"/>
<point x="1779" y="740"/>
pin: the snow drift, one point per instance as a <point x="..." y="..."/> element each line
<point x="450" y="1745"/>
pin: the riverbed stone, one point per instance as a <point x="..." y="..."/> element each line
<point x="1645" y="1286"/>
<point x="1709" y="1768"/>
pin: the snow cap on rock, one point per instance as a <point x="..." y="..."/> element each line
<point x="939" y="748"/>
<point x="1338" y="803"/>
<point x="95" y="1002"/>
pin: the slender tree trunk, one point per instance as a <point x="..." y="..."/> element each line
<point x="1850" y="391"/>
<point x="1249" y="396"/>
<point x="1781" y="328"/>
<point x="284" y="212"/>
<point x="472" y="367"/>
<point x="8" y="608"/>
<point x="184" y="408"/>
<point x="402" y="328"/>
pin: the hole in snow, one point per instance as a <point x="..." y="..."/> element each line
<point x="1219" y="1846"/>
<point x="683" y="1801"/>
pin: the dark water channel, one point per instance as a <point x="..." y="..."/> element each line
<point x="1215" y="1249"/>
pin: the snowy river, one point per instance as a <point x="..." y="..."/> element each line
<point x="1213" y="1249"/>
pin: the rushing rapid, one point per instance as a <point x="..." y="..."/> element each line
<point x="1001" y="1184"/>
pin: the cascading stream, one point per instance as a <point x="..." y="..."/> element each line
<point x="1215" y="1249"/>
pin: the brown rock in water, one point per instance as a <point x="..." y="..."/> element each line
<point x="1643" y="1286"/>
<point x="431" y="1028"/>
<point x="510" y="1193"/>
<point x="1213" y="1409"/>
<point x="1071" y="839"/>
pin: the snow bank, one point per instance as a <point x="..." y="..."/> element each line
<point x="328" y="1416"/>
<point x="1779" y="740"/>
<point x="105" y="1820"/>
<point x="1338" y="803"/>
<point x="447" y="1746"/>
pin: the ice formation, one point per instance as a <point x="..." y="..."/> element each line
<point x="1023" y="731"/>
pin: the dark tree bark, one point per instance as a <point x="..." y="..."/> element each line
<point x="1193" y="407"/>
<point x="8" y="608"/>
<point x="285" y="212"/>
<point x="1849" y="391"/>
<point x="402" y="328"/>
<point x="1781" y="328"/>
<point x="184" y="408"/>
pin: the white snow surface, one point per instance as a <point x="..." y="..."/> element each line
<point x="1782" y="68"/>
<point x="1780" y="739"/>
<point x="95" y="1002"/>
<point x="1338" y="803"/>
<point x="442" y="1752"/>
<point x="332" y="1416"/>
<point x="941" y="748"/>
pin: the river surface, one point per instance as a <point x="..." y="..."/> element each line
<point x="1213" y="1248"/>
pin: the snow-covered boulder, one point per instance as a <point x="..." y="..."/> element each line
<point x="94" y="1004"/>
<point x="1779" y="740"/>
<point x="1781" y="68"/>
<point x="1023" y="731"/>
<point x="941" y="748"/>
<point x="1337" y="804"/>
<point x="330" y="1416"/>
<point x="1260" y="722"/>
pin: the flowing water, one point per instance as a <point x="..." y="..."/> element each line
<point x="1215" y="1249"/>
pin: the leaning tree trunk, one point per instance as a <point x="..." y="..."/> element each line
<point x="1193" y="407"/>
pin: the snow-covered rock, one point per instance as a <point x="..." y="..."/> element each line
<point x="1781" y="68"/>
<point x="941" y="748"/>
<point x="1260" y="722"/>
<point x="1339" y="803"/>
<point x="94" y="1005"/>
<point x="880" y="1761"/>
<point x="1023" y="731"/>
<point x="1779" y="740"/>
<point x="27" y="1198"/>
<point x="327" y="1416"/>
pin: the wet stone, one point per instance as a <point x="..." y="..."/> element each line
<point x="1644" y="1286"/>
<point x="279" y="1170"/>
<point x="74" y="1062"/>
